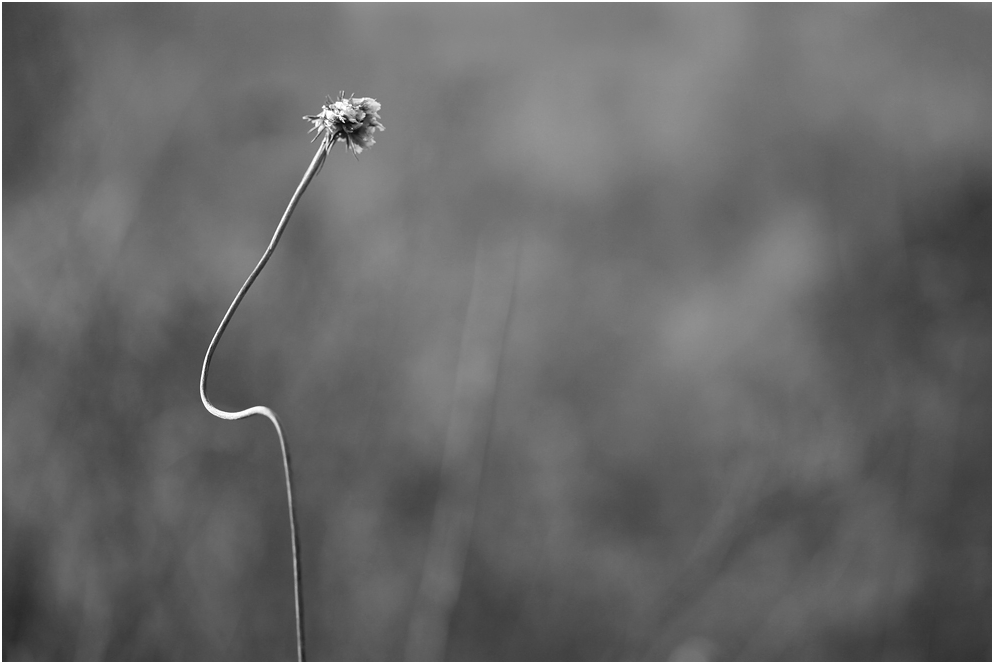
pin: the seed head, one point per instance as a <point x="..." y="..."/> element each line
<point x="352" y="120"/>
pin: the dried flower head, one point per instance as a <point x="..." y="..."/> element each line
<point x="352" y="120"/>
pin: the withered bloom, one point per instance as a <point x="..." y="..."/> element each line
<point x="352" y="120"/>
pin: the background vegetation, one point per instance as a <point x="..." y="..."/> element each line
<point x="743" y="407"/>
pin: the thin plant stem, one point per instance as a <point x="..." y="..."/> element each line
<point x="312" y="170"/>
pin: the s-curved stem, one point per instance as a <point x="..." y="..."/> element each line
<point x="312" y="170"/>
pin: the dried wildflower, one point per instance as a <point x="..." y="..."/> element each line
<point x="352" y="120"/>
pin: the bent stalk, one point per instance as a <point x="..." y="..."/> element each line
<point x="312" y="170"/>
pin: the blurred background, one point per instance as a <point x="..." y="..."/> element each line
<point x="667" y="329"/>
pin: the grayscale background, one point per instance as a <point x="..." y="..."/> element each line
<point x="643" y="332"/>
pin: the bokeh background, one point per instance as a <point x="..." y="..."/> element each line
<point x="727" y="269"/>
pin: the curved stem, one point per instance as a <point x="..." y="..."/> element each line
<point x="312" y="170"/>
